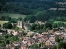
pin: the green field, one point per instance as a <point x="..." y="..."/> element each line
<point x="13" y="15"/>
<point x="57" y="21"/>
<point x="2" y="22"/>
<point x="52" y="22"/>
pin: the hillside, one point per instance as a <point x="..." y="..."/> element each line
<point x="27" y="6"/>
<point x="42" y="9"/>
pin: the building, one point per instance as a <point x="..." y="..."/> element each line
<point x="27" y="26"/>
<point x="20" y="24"/>
<point x="48" y="43"/>
<point x="23" y="47"/>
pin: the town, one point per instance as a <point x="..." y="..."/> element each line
<point x="49" y="39"/>
<point x="32" y="24"/>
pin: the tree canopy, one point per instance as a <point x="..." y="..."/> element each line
<point x="7" y="39"/>
<point x="7" y="25"/>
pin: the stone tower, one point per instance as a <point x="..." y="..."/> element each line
<point x="20" y="24"/>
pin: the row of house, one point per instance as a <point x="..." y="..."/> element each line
<point x="49" y="38"/>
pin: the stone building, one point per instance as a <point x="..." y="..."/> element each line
<point x="20" y="24"/>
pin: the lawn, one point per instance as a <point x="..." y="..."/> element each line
<point x="13" y="15"/>
<point x="59" y="21"/>
<point x="2" y="22"/>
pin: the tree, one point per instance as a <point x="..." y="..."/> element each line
<point x="16" y="28"/>
<point x="57" y="39"/>
<point x="41" y="26"/>
<point x="2" y="41"/>
<point x="0" y="25"/>
<point x="60" y="45"/>
<point x="37" y="27"/>
<point x="33" y="26"/>
<point x="6" y="18"/>
<point x="20" y="18"/>
<point x="60" y="24"/>
<point x="54" y="47"/>
<point x="25" y="11"/>
<point x="13" y="20"/>
<point x="54" y="25"/>
<point x="33" y="19"/>
<point x="7" y="39"/>
<point x="34" y="46"/>
<point x="48" y="29"/>
<point x="7" y="25"/>
<point x="30" y="18"/>
<point x="42" y="16"/>
<point x="64" y="45"/>
<point x="48" y="25"/>
<point x="13" y="39"/>
<point x="42" y="44"/>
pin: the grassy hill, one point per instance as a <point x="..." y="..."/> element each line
<point x="13" y="15"/>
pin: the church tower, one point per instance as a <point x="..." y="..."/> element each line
<point x="20" y="24"/>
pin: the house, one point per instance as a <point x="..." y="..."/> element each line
<point x="12" y="32"/>
<point x="50" y="31"/>
<point x="57" y="33"/>
<point x="39" y="22"/>
<point x="48" y="43"/>
<point x="64" y="39"/>
<point x="23" y="47"/>
<point x="30" y="33"/>
<point x="40" y="40"/>
<point x="15" y="32"/>
<point x="46" y="34"/>
<point x="16" y="44"/>
<point x="12" y="46"/>
<point x="52" y="39"/>
<point x="29" y="42"/>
